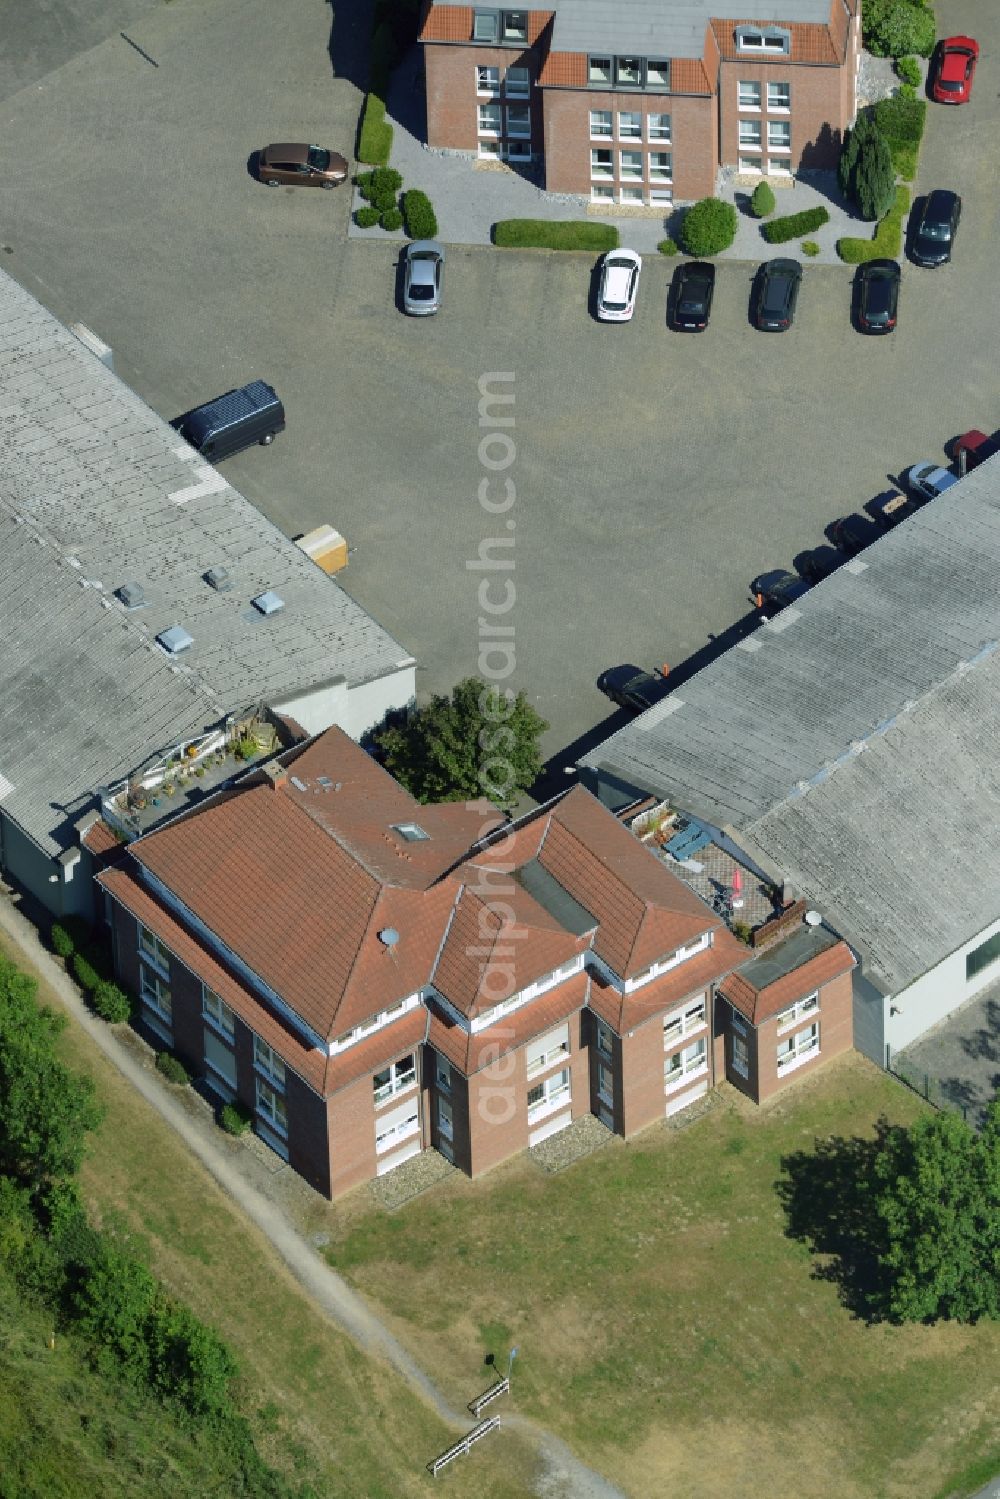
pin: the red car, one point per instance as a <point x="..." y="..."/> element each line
<point x="976" y="446"/>
<point x="954" y="66"/>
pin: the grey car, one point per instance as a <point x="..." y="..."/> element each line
<point x="423" y="277"/>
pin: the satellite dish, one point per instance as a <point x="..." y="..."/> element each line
<point x="813" y="918"/>
<point x="389" y="936"/>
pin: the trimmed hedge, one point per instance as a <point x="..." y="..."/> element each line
<point x="391" y="219"/>
<point x="794" y="225"/>
<point x="172" y="1068"/>
<point x="111" y="1003"/>
<point x="383" y="200"/>
<point x="667" y="247"/>
<point x="901" y="120"/>
<point x="367" y="217"/>
<point x="375" y="140"/>
<point x="909" y="70"/>
<point x="762" y="200"/>
<point x="709" y="227"/>
<point x="62" y="943"/>
<point x="887" y="240"/>
<point x="234" y="1118"/>
<point x="86" y="974"/>
<point x="418" y="215"/>
<point x="548" y="234"/>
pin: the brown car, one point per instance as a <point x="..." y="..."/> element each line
<point x="301" y="166"/>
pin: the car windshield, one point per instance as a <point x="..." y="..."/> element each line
<point x="951" y="85"/>
<point x="319" y="159"/>
<point x="935" y="231"/>
<point x="421" y="291"/>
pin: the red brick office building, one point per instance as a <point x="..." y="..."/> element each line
<point x="372" y="977"/>
<point x="629" y="103"/>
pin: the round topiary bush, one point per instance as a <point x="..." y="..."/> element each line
<point x="234" y="1118"/>
<point x="383" y="200"/>
<point x="709" y="227"/>
<point x="667" y="247"/>
<point x="111" y="1003"/>
<point x="909" y="70"/>
<point x="172" y="1068"/>
<point x="762" y="200"/>
<point x="391" y="219"/>
<point x="810" y="247"/>
<point x="379" y="180"/>
<point x="366" y="218"/>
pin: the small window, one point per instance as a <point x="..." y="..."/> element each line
<point x="981" y="957"/>
<point x="604" y="1042"/>
<point x="515" y="25"/>
<point x="487" y="80"/>
<point x="599" y="71"/>
<point x="748" y="96"/>
<point x="484" y="26"/>
<point x="600" y="124"/>
<point x="489" y="119"/>
<point x="271" y="1108"/>
<point x="631" y="195"/>
<point x="519" y="121"/>
<point x="628" y="72"/>
<point x="219" y="1013"/>
<point x="517" y="82"/>
<point x="490" y="148"/>
<point x="660" y="166"/>
<point x="631" y="165"/>
<point x="658" y="127"/>
<point x="446" y="1119"/>
<point x="750" y="133"/>
<point x="601" y="192"/>
<point x="267" y="1061"/>
<point x="658" y="73"/>
<point x="442" y="1073"/>
<point x="763" y="39"/>
<point x="661" y="195"/>
<point x="779" y="135"/>
<point x="601" y="164"/>
<point x="741" y="1056"/>
<point x="519" y="150"/>
<point x="779" y="96"/>
<point x="748" y="164"/>
<point x="629" y="125"/>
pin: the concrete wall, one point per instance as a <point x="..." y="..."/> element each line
<point x="937" y="993"/>
<point x="354" y="709"/>
<point x="871" y="1008"/>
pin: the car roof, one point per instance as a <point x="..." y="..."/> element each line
<point x="288" y="151"/>
<point x="622" y="256"/>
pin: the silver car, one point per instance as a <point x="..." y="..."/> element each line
<point x="423" y="277"/>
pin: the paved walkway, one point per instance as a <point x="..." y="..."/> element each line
<point x="232" y="1169"/>
<point x="470" y="196"/>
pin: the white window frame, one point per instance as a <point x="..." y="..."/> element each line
<point x="681" y="1067"/>
<point x="487" y="86"/>
<point x="554" y="1092"/>
<point x="658" y="128"/>
<point x="753" y="90"/>
<point x="661" y="195"/>
<point x="691" y="1018"/>
<point x="602" y="116"/>
<point x="796" y="1013"/>
<point x="682" y="954"/>
<point x="218" y="1014"/>
<point x="602" y="171"/>
<point x="766" y="40"/>
<point x="779" y="167"/>
<point x="401" y="1079"/>
<point x="485" y="114"/>
<point x="786" y="94"/>
<point x="750" y="135"/>
<point x="632" y="192"/>
<point x="154" y="991"/>
<point x="519" y="87"/>
<point x="445" y="1119"/>
<point x="798" y="1048"/>
<point x="630" y="170"/>
<point x="784" y="142"/>
<point x="153" y="952"/>
<point x="632" y="130"/>
<point x="490" y="149"/>
<point x="661" y="166"/>
<point x="602" y="192"/>
<point x="267" y="1062"/>
<point x="520" y="130"/>
<point x="270" y="1106"/>
<point x="557" y="1049"/>
<point x="403" y="1129"/>
<point x="746" y="164"/>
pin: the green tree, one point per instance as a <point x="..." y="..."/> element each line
<point x="114" y="1307"/>
<point x="762" y="200"/>
<point x="893" y="28"/>
<point x="45" y="1110"/>
<point x="874" y="178"/>
<point x="482" y="741"/>
<point x="709" y="226"/>
<point x="189" y="1362"/>
<point x="861" y="131"/>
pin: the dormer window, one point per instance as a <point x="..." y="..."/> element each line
<point x="650" y="73"/>
<point x="411" y="831"/>
<point x="500" y="26"/>
<point x="515" y="25"/>
<point x="484" y="26"/>
<point x="763" y="39"/>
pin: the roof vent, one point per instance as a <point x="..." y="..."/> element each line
<point x="219" y="579"/>
<point x="813" y="918"/>
<point x="132" y="595"/>
<point x="268" y="603"/>
<point x="175" y="640"/>
<point x="388" y="936"/>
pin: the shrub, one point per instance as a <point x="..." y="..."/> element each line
<point x="111" y="1003"/>
<point x="708" y="227"/>
<point x="762" y="200"/>
<point x="378" y="180"/>
<point x="366" y="218"/>
<point x="894" y="28"/>
<point x="189" y="1362"/>
<point x="86" y="974"/>
<point x="909" y="70"/>
<point x="546" y="234"/>
<point x="901" y="120"/>
<point x="421" y="222"/>
<point x="382" y="201"/>
<point x="810" y="247"/>
<point x="172" y="1068"/>
<point x="375" y="140"/>
<point x="906" y="91"/>
<point x="887" y="240"/>
<point x="62" y="942"/>
<point x="667" y="247"/>
<point x="391" y="219"/>
<point x="874" y="179"/>
<point x="234" y="1118"/>
<point x="794" y="225"/>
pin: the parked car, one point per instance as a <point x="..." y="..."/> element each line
<point x="935" y="229"/>
<point x="953" y="68"/>
<point x="777" y="293"/>
<point x="631" y="687"/>
<point x="820" y="563"/>
<point x="889" y="509"/>
<point x="423" y="277"/>
<point x="878" y="296"/>
<point x="976" y="446"/>
<point x="301" y="166"/>
<point x="851" y="534"/>
<point x="694" y="286"/>
<point x="233" y="421"/>
<point x="619" y="284"/>
<point x="774" y="591"/>
<point x="928" y="480"/>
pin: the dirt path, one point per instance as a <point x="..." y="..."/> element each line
<point x="564" y="1476"/>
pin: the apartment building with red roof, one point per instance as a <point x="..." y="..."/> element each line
<point x="371" y="977"/>
<point x="639" y="102"/>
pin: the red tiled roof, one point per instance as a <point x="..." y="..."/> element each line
<point x="453" y="23"/>
<point x="470" y="1053"/>
<point x="812" y="42"/>
<point x="368" y="1056"/>
<point x="625" y="1011"/>
<point x="99" y="839"/>
<point x="564" y="70"/>
<point x="688" y="76"/>
<point x="760" y="1004"/>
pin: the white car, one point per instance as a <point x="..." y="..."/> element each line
<point x="928" y="480"/>
<point x="619" y="284"/>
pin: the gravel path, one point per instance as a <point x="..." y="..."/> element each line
<point x="563" y="1477"/>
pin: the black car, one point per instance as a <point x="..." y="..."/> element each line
<point x="892" y="508"/>
<point x="774" y="591"/>
<point x="935" y="229"/>
<point x="820" y="563"/>
<point x="878" y="296"/>
<point x="694" y="284"/>
<point x="777" y="294"/>
<point x="630" y="687"/>
<point x="851" y="534"/>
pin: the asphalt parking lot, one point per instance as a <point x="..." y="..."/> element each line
<point x="655" y="472"/>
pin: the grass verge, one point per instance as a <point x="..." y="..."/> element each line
<point x="887" y="240"/>
<point x="548" y="234"/>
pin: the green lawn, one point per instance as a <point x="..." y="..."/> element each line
<point x="666" y="1325"/>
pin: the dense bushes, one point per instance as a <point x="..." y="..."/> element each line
<point x="367" y="217"/>
<point x="375" y="139"/>
<point x="111" y="1003"/>
<point x="379" y="180"/>
<point x="234" y="1118"/>
<point x="667" y="247"/>
<point x="909" y="70"/>
<point x="762" y="200"/>
<point x="391" y="219"/>
<point x="888" y="239"/>
<point x="893" y="28"/>
<point x="418" y="215"/>
<point x="709" y="227"/>
<point x="62" y="942"/>
<point x="552" y="234"/>
<point x="901" y="121"/>
<point x="794" y="225"/>
<point x="866" y="169"/>
<point x="172" y="1068"/>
